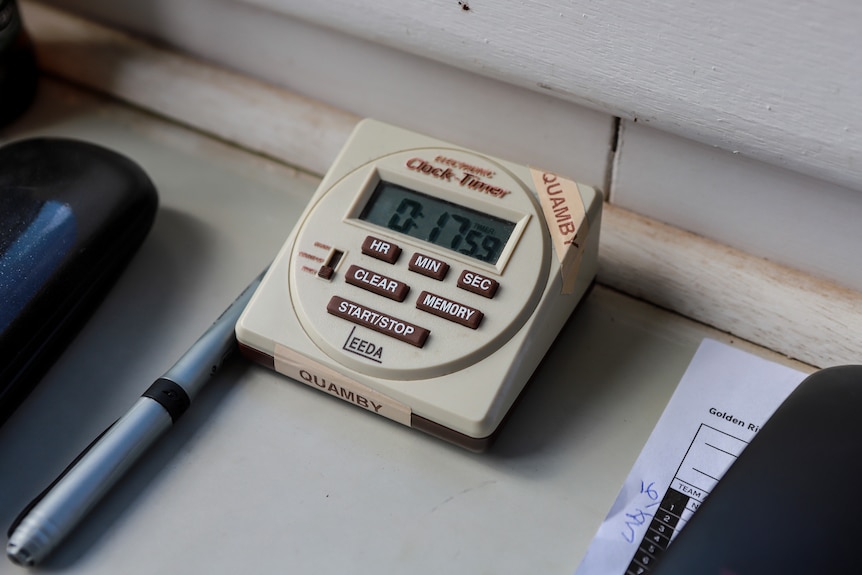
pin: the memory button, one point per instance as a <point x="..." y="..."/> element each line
<point x="448" y="309"/>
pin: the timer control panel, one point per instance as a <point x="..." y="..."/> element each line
<point x="424" y="282"/>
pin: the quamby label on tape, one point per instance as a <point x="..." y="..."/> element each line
<point x="566" y="218"/>
<point x="330" y="381"/>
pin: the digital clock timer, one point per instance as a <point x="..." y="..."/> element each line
<point x="424" y="282"/>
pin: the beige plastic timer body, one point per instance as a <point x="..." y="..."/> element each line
<point x="424" y="282"/>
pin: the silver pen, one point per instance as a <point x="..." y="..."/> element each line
<point x="55" y="513"/>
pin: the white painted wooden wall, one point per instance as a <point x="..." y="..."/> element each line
<point x="780" y="80"/>
<point x="740" y="121"/>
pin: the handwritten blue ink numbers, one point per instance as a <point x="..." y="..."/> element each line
<point x="640" y="515"/>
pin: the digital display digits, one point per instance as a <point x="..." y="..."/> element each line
<point x="442" y="223"/>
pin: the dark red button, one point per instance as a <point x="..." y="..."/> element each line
<point x="428" y="266"/>
<point x="477" y="283"/>
<point x="376" y="283"/>
<point x="378" y="321"/>
<point x="448" y="309"/>
<point x="381" y="249"/>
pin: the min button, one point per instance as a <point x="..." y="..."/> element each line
<point x="428" y="266"/>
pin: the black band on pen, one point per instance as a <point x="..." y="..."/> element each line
<point x="169" y="395"/>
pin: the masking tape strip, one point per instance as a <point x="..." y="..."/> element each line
<point x="566" y="218"/>
<point x="318" y="376"/>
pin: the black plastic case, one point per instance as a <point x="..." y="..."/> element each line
<point x="71" y="216"/>
<point x="18" y="72"/>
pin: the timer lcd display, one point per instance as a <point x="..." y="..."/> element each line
<point x="445" y="224"/>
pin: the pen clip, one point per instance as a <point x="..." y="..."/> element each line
<point x="17" y="521"/>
